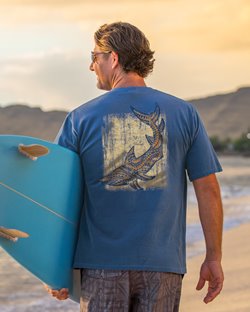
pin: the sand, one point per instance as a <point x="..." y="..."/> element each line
<point x="235" y="296"/>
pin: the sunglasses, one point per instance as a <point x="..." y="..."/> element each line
<point x="94" y="54"/>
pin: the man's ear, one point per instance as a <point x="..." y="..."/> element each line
<point x="115" y="59"/>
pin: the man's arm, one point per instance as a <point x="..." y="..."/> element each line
<point x="211" y="215"/>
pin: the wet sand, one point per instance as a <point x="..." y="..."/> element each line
<point x="235" y="296"/>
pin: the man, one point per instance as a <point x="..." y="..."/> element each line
<point x="136" y="145"/>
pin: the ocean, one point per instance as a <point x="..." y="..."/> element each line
<point x="21" y="292"/>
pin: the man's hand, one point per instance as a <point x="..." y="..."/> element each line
<point x="211" y="271"/>
<point x="61" y="294"/>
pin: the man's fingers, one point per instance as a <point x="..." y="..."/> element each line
<point x="200" y="284"/>
<point x="211" y="272"/>
<point x="46" y="287"/>
<point x="213" y="292"/>
<point x="61" y="294"/>
<point x="54" y="292"/>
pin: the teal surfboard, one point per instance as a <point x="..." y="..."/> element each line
<point x="40" y="205"/>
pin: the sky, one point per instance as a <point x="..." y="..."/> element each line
<point x="201" y="47"/>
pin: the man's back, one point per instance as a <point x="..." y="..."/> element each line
<point x="135" y="144"/>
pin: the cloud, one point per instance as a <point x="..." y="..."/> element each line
<point x="54" y="81"/>
<point x="170" y="25"/>
<point x="63" y="80"/>
<point x="193" y="75"/>
<point x="56" y="3"/>
<point x="201" y="47"/>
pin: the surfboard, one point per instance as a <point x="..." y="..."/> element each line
<point x="40" y="204"/>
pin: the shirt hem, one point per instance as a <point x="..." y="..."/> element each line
<point x="204" y="174"/>
<point x="130" y="268"/>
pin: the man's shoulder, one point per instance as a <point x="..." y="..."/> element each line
<point x="174" y="100"/>
<point x="91" y="103"/>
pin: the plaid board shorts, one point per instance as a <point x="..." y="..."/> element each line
<point x="129" y="291"/>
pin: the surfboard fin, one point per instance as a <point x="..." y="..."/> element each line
<point x="12" y="234"/>
<point x="33" y="151"/>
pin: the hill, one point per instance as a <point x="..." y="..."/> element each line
<point x="224" y="115"/>
<point x="31" y="121"/>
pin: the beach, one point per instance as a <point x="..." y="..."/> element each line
<point x="21" y="292"/>
<point x="235" y="296"/>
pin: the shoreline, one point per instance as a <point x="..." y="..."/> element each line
<point x="236" y="264"/>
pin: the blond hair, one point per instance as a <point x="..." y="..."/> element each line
<point x="130" y="44"/>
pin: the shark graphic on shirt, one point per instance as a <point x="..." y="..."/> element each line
<point x="134" y="169"/>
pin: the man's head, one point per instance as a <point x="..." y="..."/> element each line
<point x="121" y="57"/>
<point x="130" y="44"/>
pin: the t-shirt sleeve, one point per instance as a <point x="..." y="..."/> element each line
<point x="201" y="158"/>
<point x="67" y="135"/>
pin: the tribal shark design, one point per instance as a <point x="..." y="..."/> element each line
<point x="136" y="168"/>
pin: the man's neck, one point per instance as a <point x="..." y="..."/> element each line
<point x="128" y="80"/>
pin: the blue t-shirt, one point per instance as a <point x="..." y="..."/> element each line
<point x="136" y="145"/>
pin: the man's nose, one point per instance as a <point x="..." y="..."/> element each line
<point x="91" y="66"/>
